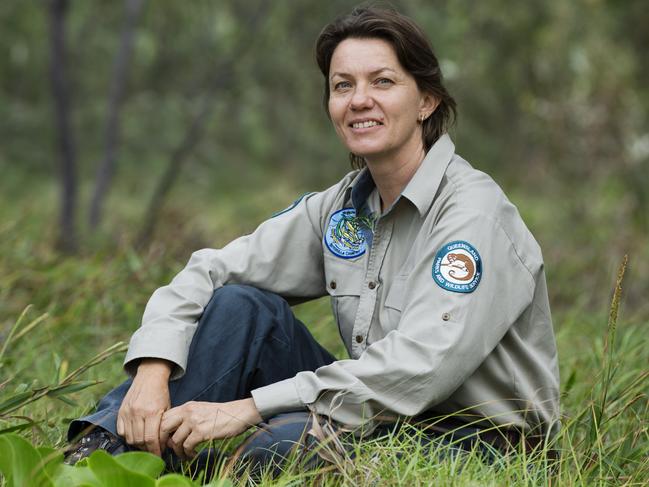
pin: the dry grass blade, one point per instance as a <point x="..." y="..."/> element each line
<point x="13" y="333"/>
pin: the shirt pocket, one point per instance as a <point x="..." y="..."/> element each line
<point x="394" y="303"/>
<point x="344" y="284"/>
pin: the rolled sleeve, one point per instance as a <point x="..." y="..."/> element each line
<point x="165" y="342"/>
<point x="277" y="398"/>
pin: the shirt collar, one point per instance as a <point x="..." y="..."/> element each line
<point x="423" y="186"/>
<point x="421" y="189"/>
<point x="361" y="189"/>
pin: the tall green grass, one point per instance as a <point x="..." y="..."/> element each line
<point x="62" y="352"/>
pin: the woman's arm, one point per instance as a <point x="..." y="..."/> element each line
<point x="282" y="255"/>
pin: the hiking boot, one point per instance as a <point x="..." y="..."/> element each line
<point x="97" y="439"/>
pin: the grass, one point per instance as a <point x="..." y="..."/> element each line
<point x="62" y="320"/>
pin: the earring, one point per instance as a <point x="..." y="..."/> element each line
<point x="422" y="117"/>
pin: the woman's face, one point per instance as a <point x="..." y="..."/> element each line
<point x="374" y="103"/>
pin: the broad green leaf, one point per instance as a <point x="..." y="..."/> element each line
<point x="75" y="476"/>
<point x="112" y="474"/>
<point x="142" y="462"/>
<point x="174" y="480"/>
<point x="21" y="463"/>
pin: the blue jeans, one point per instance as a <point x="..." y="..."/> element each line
<point x="246" y="338"/>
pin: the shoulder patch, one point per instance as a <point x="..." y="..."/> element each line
<point x="291" y="206"/>
<point x="457" y="267"/>
<point x="343" y="236"/>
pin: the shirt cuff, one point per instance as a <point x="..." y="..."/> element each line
<point x="145" y="344"/>
<point x="277" y="398"/>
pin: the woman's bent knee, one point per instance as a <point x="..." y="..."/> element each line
<point x="242" y="300"/>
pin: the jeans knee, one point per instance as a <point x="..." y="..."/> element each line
<point x="230" y="299"/>
<point x="239" y="313"/>
<point x="279" y="435"/>
<point x="236" y="295"/>
<point x="265" y="450"/>
<point x="235" y="299"/>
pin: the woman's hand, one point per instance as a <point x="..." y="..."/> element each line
<point x="195" y="422"/>
<point x="139" y="417"/>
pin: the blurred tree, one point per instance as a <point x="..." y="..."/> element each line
<point x="552" y="98"/>
<point x="67" y="239"/>
<point x="106" y="168"/>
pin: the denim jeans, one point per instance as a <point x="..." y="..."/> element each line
<point x="246" y="338"/>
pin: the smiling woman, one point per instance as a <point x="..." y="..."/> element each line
<point x="410" y="56"/>
<point x="375" y="105"/>
<point x="437" y="287"/>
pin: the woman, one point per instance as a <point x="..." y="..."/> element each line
<point x="437" y="287"/>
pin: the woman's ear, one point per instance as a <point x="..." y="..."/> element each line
<point x="429" y="104"/>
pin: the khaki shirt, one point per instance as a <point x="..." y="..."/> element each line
<point x="440" y="300"/>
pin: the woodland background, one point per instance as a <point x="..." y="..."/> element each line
<point x="134" y="132"/>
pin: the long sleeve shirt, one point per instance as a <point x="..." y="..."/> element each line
<point x="440" y="300"/>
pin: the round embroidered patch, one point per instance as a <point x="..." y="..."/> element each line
<point x="457" y="267"/>
<point x="343" y="236"/>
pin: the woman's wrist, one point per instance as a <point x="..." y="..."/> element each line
<point x="254" y="415"/>
<point x="155" y="367"/>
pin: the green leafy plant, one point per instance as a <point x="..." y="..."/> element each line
<point x="26" y="466"/>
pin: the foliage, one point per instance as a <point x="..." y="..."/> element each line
<point x="553" y="103"/>
<point x="604" y="438"/>
<point x="552" y="99"/>
<point x="62" y="385"/>
<point x="26" y="466"/>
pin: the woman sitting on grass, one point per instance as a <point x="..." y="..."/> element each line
<point x="437" y="288"/>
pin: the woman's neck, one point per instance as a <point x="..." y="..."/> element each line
<point x="392" y="175"/>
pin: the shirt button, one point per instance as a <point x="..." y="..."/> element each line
<point x="332" y="284"/>
<point x="359" y="338"/>
<point x="371" y="285"/>
<point x="446" y="316"/>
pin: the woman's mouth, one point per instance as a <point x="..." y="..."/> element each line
<point x="364" y="124"/>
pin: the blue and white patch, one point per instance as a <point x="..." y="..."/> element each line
<point x="291" y="206"/>
<point x="343" y="236"/>
<point x="457" y="267"/>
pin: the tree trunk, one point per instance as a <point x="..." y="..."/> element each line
<point x="67" y="239"/>
<point x="107" y="166"/>
<point x="191" y="138"/>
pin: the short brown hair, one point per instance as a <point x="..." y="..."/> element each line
<point x="413" y="51"/>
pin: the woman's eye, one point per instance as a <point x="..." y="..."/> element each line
<point x="341" y="85"/>
<point x="384" y="81"/>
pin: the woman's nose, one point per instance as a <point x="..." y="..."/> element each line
<point x="361" y="99"/>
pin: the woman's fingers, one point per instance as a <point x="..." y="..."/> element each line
<point x="137" y="427"/>
<point x="178" y="438"/>
<point x="190" y="444"/>
<point x="127" y="430"/>
<point x="163" y="437"/>
<point x="152" y="434"/>
<point x="120" y="425"/>
<point x="171" y="419"/>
